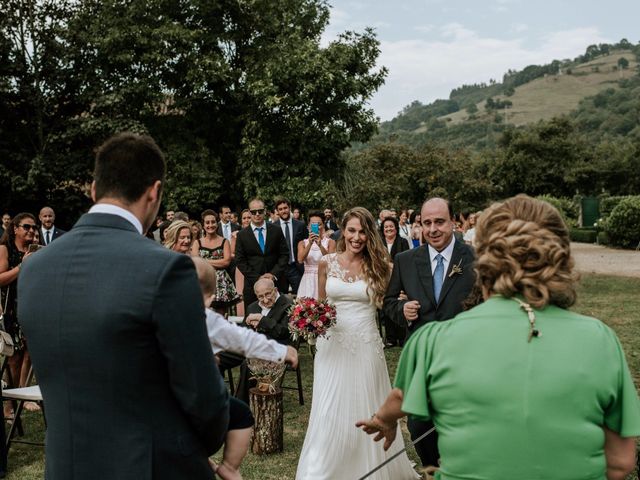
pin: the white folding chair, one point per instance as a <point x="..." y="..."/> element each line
<point x="18" y="396"/>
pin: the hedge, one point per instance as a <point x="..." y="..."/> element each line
<point x="583" y="235"/>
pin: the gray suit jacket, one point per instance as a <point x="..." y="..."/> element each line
<point x="117" y="334"/>
<point x="412" y="274"/>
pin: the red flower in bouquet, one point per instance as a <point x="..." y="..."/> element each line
<point x="310" y="318"/>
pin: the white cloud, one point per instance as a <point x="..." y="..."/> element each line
<point x="425" y="70"/>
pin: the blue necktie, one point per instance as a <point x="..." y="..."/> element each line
<point x="438" y="277"/>
<point x="260" y="238"/>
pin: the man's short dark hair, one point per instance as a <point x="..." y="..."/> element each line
<point x="223" y="207"/>
<point x="281" y="200"/>
<point x="126" y="165"/>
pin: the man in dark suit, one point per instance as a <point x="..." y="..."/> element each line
<point x="123" y="359"/>
<point x="294" y="231"/>
<point x="436" y="278"/>
<point x="48" y="231"/>
<point x="261" y="249"/>
<point x="329" y="222"/>
<point x="226" y="227"/>
<point x="267" y="315"/>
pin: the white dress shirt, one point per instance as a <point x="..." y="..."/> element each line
<point x="446" y="254"/>
<point x="229" y="337"/>
<point x="284" y="230"/>
<point x="43" y="233"/>
<point x="226" y="230"/>
<point x="119" y="211"/>
<point x="255" y="232"/>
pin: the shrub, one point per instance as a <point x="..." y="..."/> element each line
<point x="603" y="238"/>
<point x="583" y="235"/>
<point x="567" y="207"/>
<point x="607" y="204"/>
<point x="623" y="225"/>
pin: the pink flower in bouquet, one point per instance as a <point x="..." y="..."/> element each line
<point x="310" y="318"/>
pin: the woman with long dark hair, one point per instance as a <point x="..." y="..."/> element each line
<point x="14" y="246"/>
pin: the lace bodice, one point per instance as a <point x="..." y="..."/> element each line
<point x="355" y="313"/>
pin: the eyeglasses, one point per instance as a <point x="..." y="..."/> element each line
<point x="27" y="226"/>
<point x="259" y="211"/>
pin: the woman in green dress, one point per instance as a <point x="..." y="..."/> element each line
<point x="519" y="387"/>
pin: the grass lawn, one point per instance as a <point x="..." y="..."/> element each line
<point x="614" y="299"/>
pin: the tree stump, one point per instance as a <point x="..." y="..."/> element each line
<point x="268" y="432"/>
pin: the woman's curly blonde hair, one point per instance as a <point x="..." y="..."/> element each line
<point x="376" y="267"/>
<point x="172" y="232"/>
<point x="522" y="247"/>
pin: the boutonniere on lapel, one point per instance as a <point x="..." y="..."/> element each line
<point x="456" y="269"/>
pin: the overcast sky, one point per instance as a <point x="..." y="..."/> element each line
<point x="433" y="46"/>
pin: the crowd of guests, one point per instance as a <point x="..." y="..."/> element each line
<point x="518" y="387"/>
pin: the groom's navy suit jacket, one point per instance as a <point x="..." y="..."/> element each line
<point x="412" y="274"/>
<point x="117" y="334"/>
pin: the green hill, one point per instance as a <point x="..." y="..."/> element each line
<point x="476" y="115"/>
<point x="554" y="95"/>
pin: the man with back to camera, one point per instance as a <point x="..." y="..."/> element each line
<point x="436" y="278"/>
<point x="123" y="360"/>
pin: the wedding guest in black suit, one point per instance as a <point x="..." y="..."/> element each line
<point x="260" y="249"/>
<point x="226" y="227"/>
<point x="395" y="333"/>
<point x="123" y="359"/>
<point x="294" y="232"/>
<point x="48" y="231"/>
<point x="6" y="221"/>
<point x="430" y="283"/>
<point x="329" y="222"/>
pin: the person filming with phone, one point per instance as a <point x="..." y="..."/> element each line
<point x="310" y="251"/>
<point x="15" y="246"/>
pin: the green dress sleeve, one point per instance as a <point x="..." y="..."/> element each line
<point x="622" y="415"/>
<point x="413" y="371"/>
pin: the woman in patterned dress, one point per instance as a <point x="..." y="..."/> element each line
<point x="217" y="251"/>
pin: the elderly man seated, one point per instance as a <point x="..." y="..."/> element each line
<point x="268" y="315"/>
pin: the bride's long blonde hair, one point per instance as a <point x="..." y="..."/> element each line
<point x="376" y="268"/>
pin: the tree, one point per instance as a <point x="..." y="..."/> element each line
<point x="240" y="95"/>
<point x="623" y="63"/>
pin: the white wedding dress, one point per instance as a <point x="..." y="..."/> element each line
<point x="350" y="382"/>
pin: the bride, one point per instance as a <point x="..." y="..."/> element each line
<point x="350" y="374"/>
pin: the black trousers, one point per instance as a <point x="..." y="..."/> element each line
<point x="292" y="278"/>
<point x="427" y="448"/>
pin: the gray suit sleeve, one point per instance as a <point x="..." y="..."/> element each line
<point x="178" y="315"/>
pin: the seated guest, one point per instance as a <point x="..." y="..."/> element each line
<point x="519" y="387"/>
<point x="269" y="314"/>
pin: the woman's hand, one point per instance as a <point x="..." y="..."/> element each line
<point x="381" y="428"/>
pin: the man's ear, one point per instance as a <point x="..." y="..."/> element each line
<point x="93" y="191"/>
<point x="155" y="191"/>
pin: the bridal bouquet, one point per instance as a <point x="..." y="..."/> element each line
<point x="310" y="318"/>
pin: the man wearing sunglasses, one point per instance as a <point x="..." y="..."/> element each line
<point x="261" y="250"/>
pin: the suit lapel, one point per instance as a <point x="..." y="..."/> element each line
<point x="423" y="265"/>
<point x="449" y="278"/>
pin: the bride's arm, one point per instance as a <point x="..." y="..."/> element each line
<point x="322" y="279"/>
<point x="384" y="423"/>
